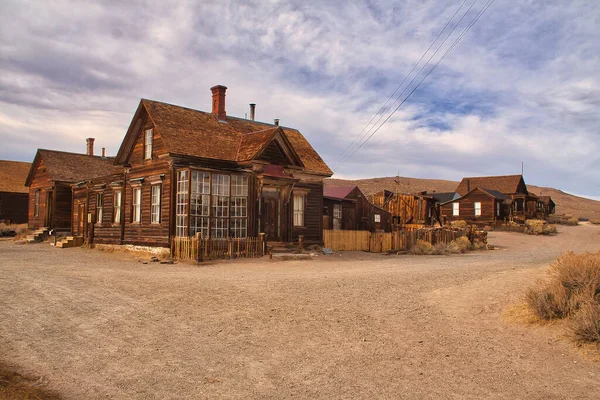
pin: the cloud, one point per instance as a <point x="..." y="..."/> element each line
<point x="522" y="85"/>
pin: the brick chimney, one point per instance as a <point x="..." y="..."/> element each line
<point x="218" y="101"/>
<point x="90" y="146"/>
<point x="252" y="110"/>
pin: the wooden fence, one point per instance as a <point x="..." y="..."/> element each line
<point x="198" y="249"/>
<point x="385" y="241"/>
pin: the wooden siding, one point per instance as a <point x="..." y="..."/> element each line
<point x="274" y="155"/>
<point x="467" y="208"/>
<point x="60" y="212"/>
<point x="136" y="157"/>
<point x="13" y="207"/>
<point x="407" y="208"/>
<point x="313" y="215"/>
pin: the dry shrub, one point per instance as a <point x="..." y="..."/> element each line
<point x="16" y="386"/>
<point x="462" y="244"/>
<point x="462" y="224"/>
<point x="562" y="219"/>
<point x="572" y="291"/>
<point x="539" y="227"/>
<point x="595" y="221"/>
<point x="422" y="248"/>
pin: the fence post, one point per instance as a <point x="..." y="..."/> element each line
<point x="301" y="243"/>
<point x="262" y="242"/>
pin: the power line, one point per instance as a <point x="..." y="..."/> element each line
<point x="383" y="109"/>
<point x="452" y="46"/>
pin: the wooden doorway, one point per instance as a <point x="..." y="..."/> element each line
<point x="80" y="227"/>
<point x="270" y="221"/>
<point x="48" y="221"/>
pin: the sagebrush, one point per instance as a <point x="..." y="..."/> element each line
<point x="572" y="291"/>
<point x="539" y="227"/>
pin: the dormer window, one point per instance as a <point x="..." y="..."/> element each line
<point x="148" y="144"/>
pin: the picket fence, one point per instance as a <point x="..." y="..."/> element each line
<point x="380" y="242"/>
<point x="198" y="249"/>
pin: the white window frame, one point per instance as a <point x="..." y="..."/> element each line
<point x="148" y="141"/>
<point x="337" y="216"/>
<point x="136" y="205"/>
<point x="181" y="209"/>
<point x="220" y="191"/>
<point x="299" y="209"/>
<point x="455" y="209"/>
<point x="238" y="223"/>
<point x="99" y="207"/>
<point x="477" y="208"/>
<point x="155" y="196"/>
<point x="117" y="200"/>
<point x="497" y="208"/>
<point x="377" y="217"/>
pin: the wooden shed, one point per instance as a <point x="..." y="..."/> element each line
<point x="481" y="206"/>
<point x="13" y="192"/>
<point x="347" y="208"/>
<point x="407" y="208"/>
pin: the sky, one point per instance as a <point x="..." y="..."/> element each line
<point x="521" y="86"/>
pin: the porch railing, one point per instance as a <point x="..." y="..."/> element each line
<point x="199" y="249"/>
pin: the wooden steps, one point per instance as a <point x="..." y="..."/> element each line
<point x="38" y="235"/>
<point x="70" y="241"/>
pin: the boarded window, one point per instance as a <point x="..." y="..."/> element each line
<point x="117" y="205"/>
<point x="148" y="137"/>
<point x="299" y="209"/>
<point x="99" y="208"/>
<point x="136" y="205"/>
<point x="181" y="203"/>
<point x="477" y="206"/>
<point x="455" y="209"/>
<point x="155" y="205"/>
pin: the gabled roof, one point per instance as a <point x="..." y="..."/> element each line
<point x="339" y="192"/>
<point x="506" y="184"/>
<point x="546" y="199"/>
<point x="62" y="166"/>
<point x="443" y="197"/>
<point x="13" y="175"/>
<point x="194" y="133"/>
<point x="492" y="193"/>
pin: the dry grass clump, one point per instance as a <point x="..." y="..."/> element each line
<point x="462" y="224"/>
<point x="15" y="230"/>
<point x="595" y="221"/>
<point x="16" y="386"/>
<point x="573" y="292"/>
<point x="539" y="227"/>
<point x="457" y="246"/>
<point x="562" y="219"/>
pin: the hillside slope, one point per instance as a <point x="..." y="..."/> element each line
<point x="565" y="203"/>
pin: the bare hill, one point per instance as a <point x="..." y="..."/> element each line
<point x="565" y="203"/>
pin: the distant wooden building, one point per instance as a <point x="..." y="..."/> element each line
<point x="348" y="208"/>
<point x="407" y="208"/>
<point x="524" y="204"/>
<point x="479" y="205"/>
<point x="49" y="180"/>
<point x="546" y="206"/>
<point x="13" y="192"/>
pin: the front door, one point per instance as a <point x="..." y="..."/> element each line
<point x="270" y="218"/>
<point x="49" y="207"/>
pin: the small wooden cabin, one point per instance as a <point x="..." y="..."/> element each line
<point x="546" y="206"/>
<point x="407" y="208"/>
<point x="348" y="208"/>
<point x="13" y="192"/>
<point x="524" y="204"/>
<point x="187" y="172"/>
<point x="49" y="180"/>
<point x="480" y="206"/>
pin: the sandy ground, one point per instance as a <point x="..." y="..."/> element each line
<point x="98" y="325"/>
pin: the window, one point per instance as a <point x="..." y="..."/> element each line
<point x="155" y="205"/>
<point x="498" y="208"/>
<point x="99" y="208"/>
<point x="220" y="206"/>
<point x="337" y="217"/>
<point x="148" y="144"/>
<point x="455" y="209"/>
<point x="239" y="206"/>
<point x="377" y="218"/>
<point x="136" y="203"/>
<point x="477" y="205"/>
<point x="36" y="204"/>
<point x="299" y="210"/>
<point x="199" y="203"/>
<point x="117" y="204"/>
<point x="181" y="204"/>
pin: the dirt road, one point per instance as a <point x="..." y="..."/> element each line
<point x="99" y="325"/>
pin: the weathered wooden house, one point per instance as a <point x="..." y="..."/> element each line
<point x="524" y="204"/>
<point x="406" y="209"/>
<point x="186" y="172"/>
<point x="546" y="206"/>
<point x="479" y="206"/>
<point x="13" y="192"/>
<point x="50" y="178"/>
<point x="347" y="208"/>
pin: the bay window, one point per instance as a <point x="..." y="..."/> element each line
<point x="181" y="226"/>
<point x="199" y="203"/>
